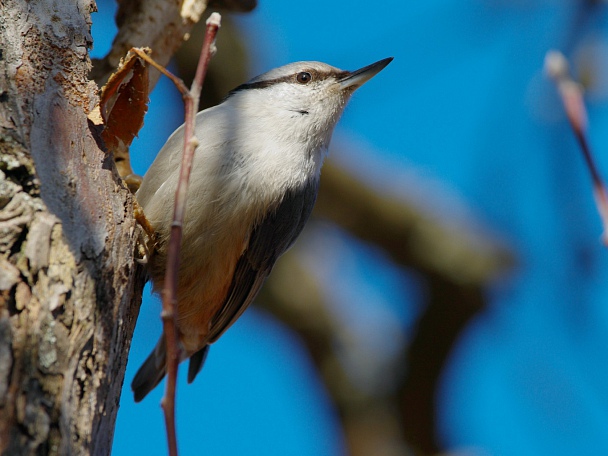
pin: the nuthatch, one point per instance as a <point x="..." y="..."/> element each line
<point x="253" y="184"/>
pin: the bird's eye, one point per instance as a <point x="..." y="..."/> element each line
<point x="304" y="77"/>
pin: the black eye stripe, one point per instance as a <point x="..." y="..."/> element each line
<point x="289" y="78"/>
<point x="263" y="84"/>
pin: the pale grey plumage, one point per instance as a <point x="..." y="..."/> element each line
<point x="254" y="181"/>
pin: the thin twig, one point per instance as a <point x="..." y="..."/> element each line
<point x="177" y="81"/>
<point x="169" y="292"/>
<point x="571" y="93"/>
<point x="169" y="314"/>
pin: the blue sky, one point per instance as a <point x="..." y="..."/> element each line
<point x="464" y="122"/>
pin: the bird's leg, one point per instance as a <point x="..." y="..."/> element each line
<point x="133" y="182"/>
<point x="150" y="243"/>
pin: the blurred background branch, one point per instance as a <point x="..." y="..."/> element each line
<point x="452" y="267"/>
<point x="159" y="25"/>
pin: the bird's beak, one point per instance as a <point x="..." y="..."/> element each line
<point x="357" y="78"/>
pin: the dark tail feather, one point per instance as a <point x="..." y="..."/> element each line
<point x="196" y="363"/>
<point x="151" y="371"/>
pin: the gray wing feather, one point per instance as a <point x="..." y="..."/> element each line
<point x="269" y="239"/>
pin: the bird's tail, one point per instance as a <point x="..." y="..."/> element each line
<point x="151" y="371"/>
<point x="196" y="363"/>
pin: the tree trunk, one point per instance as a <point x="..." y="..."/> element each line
<point x="69" y="287"/>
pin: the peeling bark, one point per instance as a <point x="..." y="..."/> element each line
<point x="69" y="287"/>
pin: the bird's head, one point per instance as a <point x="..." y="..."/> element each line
<point x="304" y="99"/>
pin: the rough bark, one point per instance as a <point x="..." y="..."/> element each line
<point x="69" y="287"/>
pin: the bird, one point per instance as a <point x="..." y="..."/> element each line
<point x="253" y="184"/>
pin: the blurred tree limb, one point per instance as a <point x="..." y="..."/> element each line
<point x="161" y="25"/>
<point x="455" y="268"/>
<point x="293" y="296"/>
<point x="411" y="237"/>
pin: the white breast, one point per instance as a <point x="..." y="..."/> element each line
<point x="240" y="169"/>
